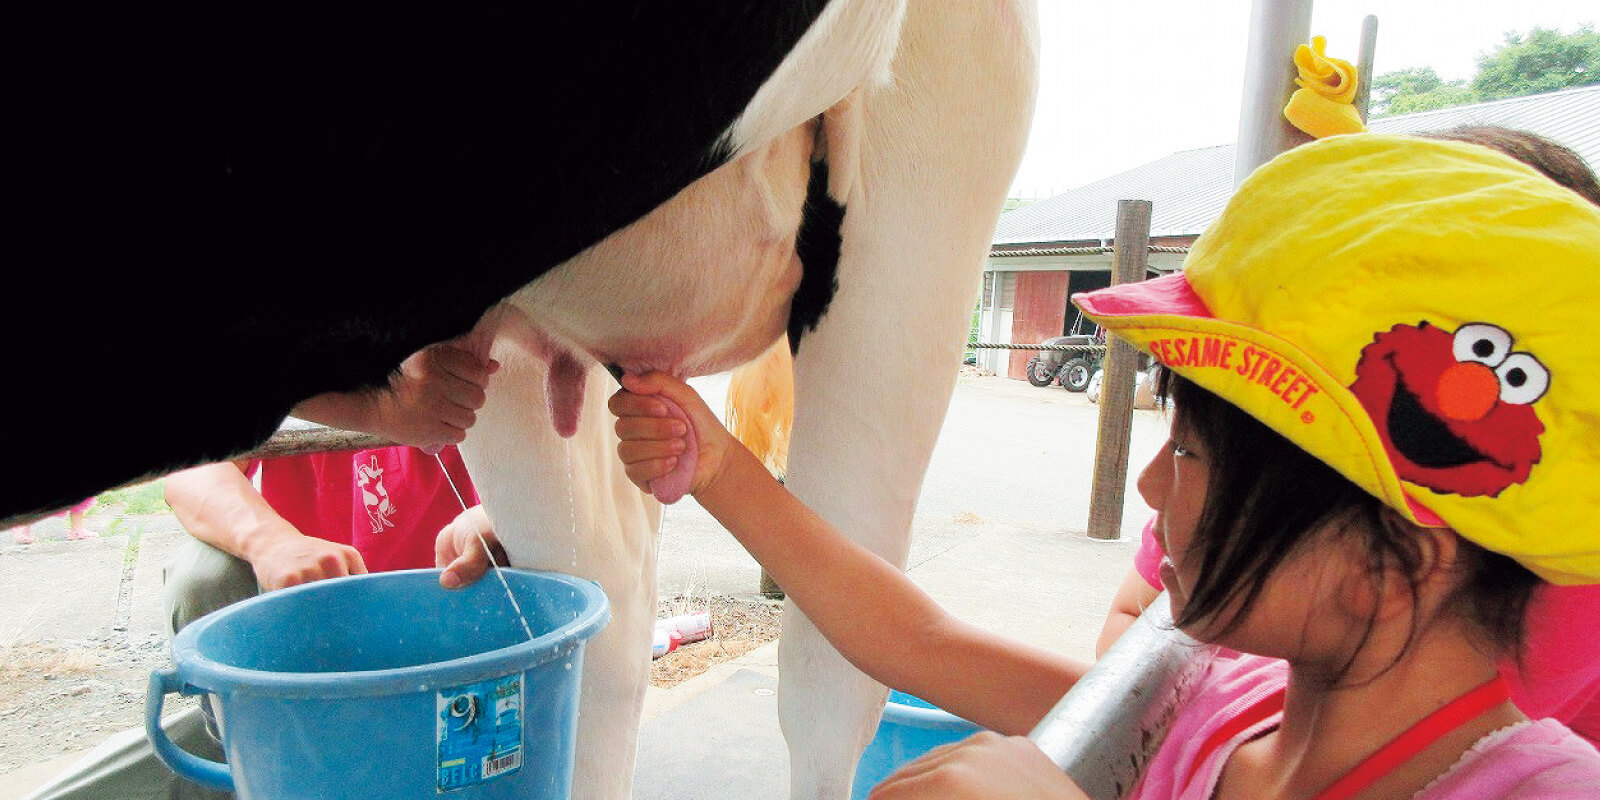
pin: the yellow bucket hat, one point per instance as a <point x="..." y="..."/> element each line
<point x="1415" y="313"/>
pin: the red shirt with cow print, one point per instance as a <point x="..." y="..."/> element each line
<point x="388" y="502"/>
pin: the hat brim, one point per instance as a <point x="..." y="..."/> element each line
<point x="1267" y="377"/>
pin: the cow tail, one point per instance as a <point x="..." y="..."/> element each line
<point x="760" y="411"/>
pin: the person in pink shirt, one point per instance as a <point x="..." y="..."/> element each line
<point x="1381" y="448"/>
<point x="77" y="528"/>
<point x="1557" y="674"/>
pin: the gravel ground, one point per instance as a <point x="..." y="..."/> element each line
<point x="63" y="691"/>
<point x="60" y="697"/>
<point x="737" y="626"/>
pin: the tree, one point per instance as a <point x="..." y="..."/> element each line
<point x="1414" y="89"/>
<point x="1542" y="61"/>
<point x="1453" y="93"/>
<point x="1411" y="80"/>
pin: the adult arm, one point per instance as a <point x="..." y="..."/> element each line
<point x="218" y="505"/>
<point x="987" y="766"/>
<point x="430" y="401"/>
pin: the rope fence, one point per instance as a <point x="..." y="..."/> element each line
<point x="1065" y="348"/>
<point x="1080" y="251"/>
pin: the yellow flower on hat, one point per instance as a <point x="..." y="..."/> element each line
<point x="1322" y="106"/>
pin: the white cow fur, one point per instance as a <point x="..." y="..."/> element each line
<point x="922" y="159"/>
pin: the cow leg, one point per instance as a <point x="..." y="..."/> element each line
<point x="937" y="149"/>
<point x="565" y="505"/>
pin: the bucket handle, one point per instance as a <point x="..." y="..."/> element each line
<point x="207" y="773"/>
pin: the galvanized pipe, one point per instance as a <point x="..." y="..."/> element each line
<point x="1365" y="58"/>
<point x="294" y="437"/>
<point x="1104" y="732"/>
<point x="1277" y="27"/>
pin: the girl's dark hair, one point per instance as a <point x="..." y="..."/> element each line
<point x="1266" y="498"/>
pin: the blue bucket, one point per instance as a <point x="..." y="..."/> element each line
<point x="910" y="728"/>
<point x="386" y="686"/>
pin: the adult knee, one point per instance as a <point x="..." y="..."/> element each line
<point x="199" y="579"/>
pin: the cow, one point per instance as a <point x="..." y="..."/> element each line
<point x="234" y="208"/>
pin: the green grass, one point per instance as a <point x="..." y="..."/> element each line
<point x="130" y="553"/>
<point x="144" y="498"/>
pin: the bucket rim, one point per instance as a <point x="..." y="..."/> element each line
<point x="206" y="675"/>
<point x="912" y="716"/>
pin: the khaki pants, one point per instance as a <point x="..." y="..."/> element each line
<point x="198" y="579"/>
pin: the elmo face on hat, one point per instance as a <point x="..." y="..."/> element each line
<point x="1455" y="411"/>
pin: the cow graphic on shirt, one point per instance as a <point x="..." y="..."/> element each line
<point x="369" y="479"/>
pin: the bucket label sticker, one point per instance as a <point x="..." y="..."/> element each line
<point x="480" y="731"/>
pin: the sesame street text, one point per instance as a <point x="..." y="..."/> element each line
<point x="1256" y="365"/>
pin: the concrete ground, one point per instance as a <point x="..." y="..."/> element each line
<point x="998" y="539"/>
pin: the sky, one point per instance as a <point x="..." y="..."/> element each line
<point x="1125" y="82"/>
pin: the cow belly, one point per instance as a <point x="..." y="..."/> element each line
<point x="699" y="285"/>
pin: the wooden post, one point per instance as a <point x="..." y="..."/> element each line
<point x="1130" y="257"/>
<point x="769" y="587"/>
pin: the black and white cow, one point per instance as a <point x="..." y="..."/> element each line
<point x="231" y="208"/>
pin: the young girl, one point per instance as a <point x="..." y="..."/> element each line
<point x="1558" y="672"/>
<point x="1384" y="393"/>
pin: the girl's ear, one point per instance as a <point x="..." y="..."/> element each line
<point x="1431" y="576"/>
<point x="1393" y="580"/>
<point x="1436" y="549"/>
<point x="1441" y="549"/>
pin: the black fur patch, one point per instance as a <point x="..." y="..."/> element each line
<point x="818" y="247"/>
<point x="232" y="209"/>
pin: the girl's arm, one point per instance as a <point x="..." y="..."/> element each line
<point x="867" y="608"/>
<point x="1132" y="598"/>
<point x="1140" y="587"/>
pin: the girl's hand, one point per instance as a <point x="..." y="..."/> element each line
<point x="988" y="766"/>
<point x="458" y="549"/>
<point x="653" y="439"/>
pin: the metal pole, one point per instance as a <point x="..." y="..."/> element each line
<point x="1104" y="732"/>
<point x="1277" y="27"/>
<point x="1368" y="52"/>
<point x="1129" y="263"/>
<point x="294" y="437"/>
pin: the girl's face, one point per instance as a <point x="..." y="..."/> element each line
<point x="1175" y="483"/>
<point x="1281" y="623"/>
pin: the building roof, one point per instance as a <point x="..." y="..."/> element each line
<point x="1187" y="190"/>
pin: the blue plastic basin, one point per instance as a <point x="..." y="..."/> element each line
<point x="387" y="686"/>
<point x="910" y="727"/>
